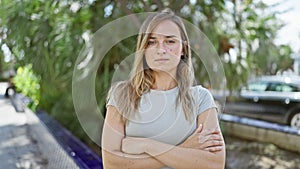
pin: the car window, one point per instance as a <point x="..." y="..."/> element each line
<point x="281" y="87"/>
<point x="296" y="89"/>
<point x="275" y="87"/>
<point x="257" y="86"/>
<point x="290" y="88"/>
<point x="271" y="86"/>
<point x="287" y="88"/>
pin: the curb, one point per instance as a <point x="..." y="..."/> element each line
<point x="282" y="136"/>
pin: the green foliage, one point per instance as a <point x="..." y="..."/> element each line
<point x="272" y="59"/>
<point x="27" y="82"/>
<point x="48" y="34"/>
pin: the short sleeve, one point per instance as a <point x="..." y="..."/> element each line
<point x="115" y="92"/>
<point x="204" y="100"/>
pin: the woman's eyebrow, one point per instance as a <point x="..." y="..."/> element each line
<point x="171" y="36"/>
<point x="167" y="36"/>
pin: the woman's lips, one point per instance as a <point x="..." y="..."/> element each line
<point x="161" y="60"/>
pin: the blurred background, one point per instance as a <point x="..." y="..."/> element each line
<point x="40" y="41"/>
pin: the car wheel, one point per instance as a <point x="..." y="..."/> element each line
<point x="295" y="120"/>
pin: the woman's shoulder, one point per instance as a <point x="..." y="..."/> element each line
<point x="117" y="88"/>
<point x="119" y="85"/>
<point x="203" y="98"/>
<point x="199" y="89"/>
<point x="199" y="93"/>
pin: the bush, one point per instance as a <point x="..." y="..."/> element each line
<point x="28" y="84"/>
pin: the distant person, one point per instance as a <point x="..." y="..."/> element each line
<point x="158" y="118"/>
<point x="11" y="87"/>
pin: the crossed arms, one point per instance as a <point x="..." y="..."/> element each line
<point x="205" y="148"/>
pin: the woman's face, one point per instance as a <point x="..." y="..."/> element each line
<point x="164" y="48"/>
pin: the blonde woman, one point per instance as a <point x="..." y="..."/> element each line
<point x="158" y="119"/>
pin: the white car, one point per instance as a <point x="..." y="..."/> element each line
<point x="269" y="98"/>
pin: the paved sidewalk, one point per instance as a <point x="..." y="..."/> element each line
<point x="25" y="143"/>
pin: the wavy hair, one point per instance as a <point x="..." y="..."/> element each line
<point x="127" y="94"/>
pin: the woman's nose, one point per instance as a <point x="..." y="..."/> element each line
<point x="161" y="48"/>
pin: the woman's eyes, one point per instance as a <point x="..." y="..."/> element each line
<point x="151" y="42"/>
<point x="167" y="42"/>
<point x="170" y="41"/>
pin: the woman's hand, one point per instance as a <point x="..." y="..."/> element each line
<point x="134" y="145"/>
<point x="208" y="140"/>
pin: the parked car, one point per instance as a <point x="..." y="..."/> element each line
<point x="269" y="98"/>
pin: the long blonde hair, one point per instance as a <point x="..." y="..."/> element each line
<point x="127" y="94"/>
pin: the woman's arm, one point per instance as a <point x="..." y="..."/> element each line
<point x="113" y="157"/>
<point x="182" y="157"/>
<point x="209" y="140"/>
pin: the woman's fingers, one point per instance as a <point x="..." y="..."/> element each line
<point x="212" y="143"/>
<point x="214" y="149"/>
<point x="214" y="137"/>
<point x="211" y="131"/>
<point x="212" y="146"/>
<point x="203" y="139"/>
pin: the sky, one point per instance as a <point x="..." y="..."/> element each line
<point x="289" y="34"/>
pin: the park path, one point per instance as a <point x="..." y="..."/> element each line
<point x="25" y="143"/>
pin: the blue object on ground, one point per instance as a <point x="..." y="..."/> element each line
<point x="260" y="124"/>
<point x="82" y="155"/>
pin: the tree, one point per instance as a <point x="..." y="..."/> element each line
<point x="48" y="34"/>
<point x="252" y="31"/>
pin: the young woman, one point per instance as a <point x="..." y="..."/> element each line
<point x="158" y="119"/>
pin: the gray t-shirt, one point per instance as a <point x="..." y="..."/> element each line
<point x="159" y="118"/>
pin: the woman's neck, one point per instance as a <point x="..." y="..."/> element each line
<point x="164" y="81"/>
